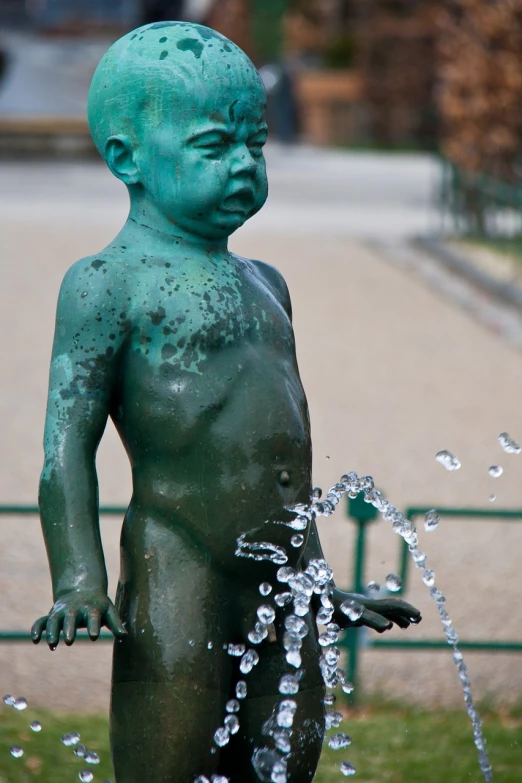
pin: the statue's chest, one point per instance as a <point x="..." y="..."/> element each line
<point x="189" y="318"/>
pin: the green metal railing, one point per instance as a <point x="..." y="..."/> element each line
<point x="362" y="514"/>
<point x="479" y="206"/>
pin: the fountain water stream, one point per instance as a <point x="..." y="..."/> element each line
<point x="317" y="579"/>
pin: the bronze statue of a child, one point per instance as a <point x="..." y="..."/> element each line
<point x="190" y="350"/>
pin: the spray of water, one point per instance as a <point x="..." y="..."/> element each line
<point x="407" y="530"/>
<point x="317" y="579"/>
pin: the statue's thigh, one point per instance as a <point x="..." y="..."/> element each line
<point x="162" y="733"/>
<point x="306" y="740"/>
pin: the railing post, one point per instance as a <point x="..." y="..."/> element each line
<point x="362" y="514"/>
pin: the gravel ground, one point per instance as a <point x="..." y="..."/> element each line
<point x="394" y="369"/>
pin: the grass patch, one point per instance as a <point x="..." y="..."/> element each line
<point x="45" y="758"/>
<point x="391" y="744"/>
<point x="505" y="247"/>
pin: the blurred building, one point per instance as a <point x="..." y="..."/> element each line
<point x="343" y="72"/>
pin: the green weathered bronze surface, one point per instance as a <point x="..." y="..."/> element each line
<point x="190" y="350"/>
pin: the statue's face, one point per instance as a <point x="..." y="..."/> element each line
<point x="204" y="168"/>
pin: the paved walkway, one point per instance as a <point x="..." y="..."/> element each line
<point x="394" y="371"/>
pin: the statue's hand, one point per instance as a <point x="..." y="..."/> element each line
<point x="378" y="613"/>
<point x="74" y="610"/>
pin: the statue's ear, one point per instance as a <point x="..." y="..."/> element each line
<point x="119" y="154"/>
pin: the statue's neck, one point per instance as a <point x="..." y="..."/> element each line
<point x="146" y="224"/>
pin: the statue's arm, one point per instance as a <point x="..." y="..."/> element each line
<point x="379" y="614"/>
<point x="87" y="345"/>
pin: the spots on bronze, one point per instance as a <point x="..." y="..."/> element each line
<point x="190" y="45"/>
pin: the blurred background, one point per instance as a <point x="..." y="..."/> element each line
<point x="395" y="214"/>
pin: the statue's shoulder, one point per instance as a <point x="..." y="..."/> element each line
<point x="273" y="277"/>
<point x="94" y="282"/>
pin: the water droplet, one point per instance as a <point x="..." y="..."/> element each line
<point x="393" y="583"/>
<point x="236" y="650"/>
<point x="492" y="498"/>
<point x="210" y="645"/>
<point x="285" y="714"/>
<point x="373" y="587"/>
<point x="266" y="614"/>
<point x="296" y="626"/>
<point x="259" y="633"/>
<point x="339" y="741"/>
<point x="347" y="769"/>
<point x="293" y="658"/>
<point x="80" y="751"/>
<point x="431" y="521"/>
<point x="71" y="739"/>
<point x="201" y="779"/>
<point x="232" y="724"/>
<point x="241" y="689"/>
<point x="232" y="705"/>
<point x="92" y="758"/>
<point x="219" y="779"/>
<point x="35" y="725"/>
<point x="282" y="740"/>
<point x="285" y="573"/>
<point x="495" y="471"/>
<point x="83" y="294"/>
<point x="16" y="751"/>
<point x="222" y="737"/>
<point x="317" y="493"/>
<point x="452" y="636"/>
<point x="265" y="588"/>
<point x="508" y="444"/>
<point x="428" y="577"/>
<point x="248" y="661"/>
<point x="301" y="606"/>
<point x="302" y="584"/>
<point x="329" y="699"/>
<point x="448" y="460"/>
<point x="324" y="616"/>
<point x="283" y="599"/>
<point x="331" y="656"/>
<point x="9" y="700"/>
<point x="297" y="540"/>
<point x="20" y="704"/>
<point x="348" y="687"/>
<point x="86" y="775"/>
<point x="328" y="637"/>
<point x="351" y="609"/>
<point x="332" y="719"/>
<point x="327" y="456"/>
<point x="437" y="596"/>
<point x="288" y="685"/>
<point x="264" y="761"/>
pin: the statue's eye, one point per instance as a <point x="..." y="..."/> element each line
<point x="256" y="143"/>
<point x="211" y="144"/>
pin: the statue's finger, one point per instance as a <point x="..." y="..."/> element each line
<point x="376" y="621"/>
<point x="38" y="628"/>
<point x="54" y="623"/>
<point x="114" y="624"/>
<point x="70" y="624"/>
<point x="401" y="621"/>
<point x="93" y="623"/>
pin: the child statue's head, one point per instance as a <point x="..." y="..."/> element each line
<point x="178" y="113"/>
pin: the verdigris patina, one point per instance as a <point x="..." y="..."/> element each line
<point x="190" y="350"/>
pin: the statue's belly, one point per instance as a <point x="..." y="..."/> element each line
<point x="218" y="454"/>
